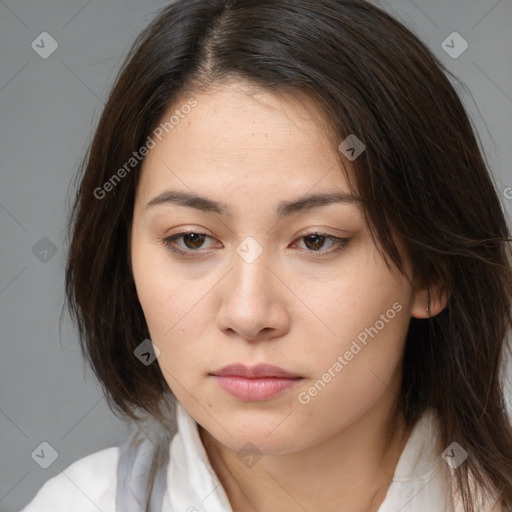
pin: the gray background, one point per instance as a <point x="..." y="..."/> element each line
<point x="48" y="110"/>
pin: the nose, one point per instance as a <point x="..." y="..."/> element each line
<point x="254" y="302"/>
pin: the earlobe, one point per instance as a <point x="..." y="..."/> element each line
<point x="429" y="302"/>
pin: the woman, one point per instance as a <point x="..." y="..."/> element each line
<point x="289" y="265"/>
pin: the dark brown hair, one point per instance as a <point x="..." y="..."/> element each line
<point x="422" y="177"/>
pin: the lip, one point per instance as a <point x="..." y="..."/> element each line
<point x="255" y="383"/>
<point x="252" y="372"/>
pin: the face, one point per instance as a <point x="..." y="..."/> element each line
<point x="254" y="275"/>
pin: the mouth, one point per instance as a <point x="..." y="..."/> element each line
<point x="256" y="383"/>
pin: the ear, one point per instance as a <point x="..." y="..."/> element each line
<point x="429" y="302"/>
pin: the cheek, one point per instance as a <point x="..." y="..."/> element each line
<point x="359" y="300"/>
<point x="176" y="318"/>
<point x="163" y="296"/>
<point x="353" y="378"/>
<point x="174" y="314"/>
<point x="154" y="298"/>
<point x="365" y="350"/>
<point x="367" y="312"/>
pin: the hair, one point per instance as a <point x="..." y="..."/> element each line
<point x="422" y="178"/>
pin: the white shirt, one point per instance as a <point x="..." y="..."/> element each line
<point x="420" y="482"/>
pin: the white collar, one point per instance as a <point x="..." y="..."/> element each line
<point x="191" y="482"/>
<point x="420" y="482"/>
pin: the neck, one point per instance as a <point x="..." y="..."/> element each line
<point x="350" y="471"/>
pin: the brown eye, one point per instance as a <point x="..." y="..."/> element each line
<point x="191" y="243"/>
<point x="193" y="240"/>
<point x="315" y="241"/>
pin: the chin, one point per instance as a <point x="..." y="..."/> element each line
<point x="256" y="431"/>
<point x="259" y="443"/>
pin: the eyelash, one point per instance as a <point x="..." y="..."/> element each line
<point x="340" y="243"/>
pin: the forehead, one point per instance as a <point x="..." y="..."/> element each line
<point x="238" y="139"/>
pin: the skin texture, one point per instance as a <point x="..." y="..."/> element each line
<point x="251" y="150"/>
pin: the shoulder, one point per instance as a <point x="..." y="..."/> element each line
<point x="87" y="484"/>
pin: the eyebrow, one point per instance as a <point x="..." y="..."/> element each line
<point x="284" y="208"/>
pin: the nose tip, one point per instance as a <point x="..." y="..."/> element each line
<point x="252" y="306"/>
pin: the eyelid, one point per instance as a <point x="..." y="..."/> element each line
<point x="167" y="241"/>
<point x="340" y="243"/>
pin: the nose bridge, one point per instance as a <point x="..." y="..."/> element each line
<point x="250" y="303"/>
<point x="250" y="270"/>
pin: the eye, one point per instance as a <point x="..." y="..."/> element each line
<point x="315" y="241"/>
<point x="193" y="241"/>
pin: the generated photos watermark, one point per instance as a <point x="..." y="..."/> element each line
<point x="138" y="156"/>
<point x="344" y="359"/>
